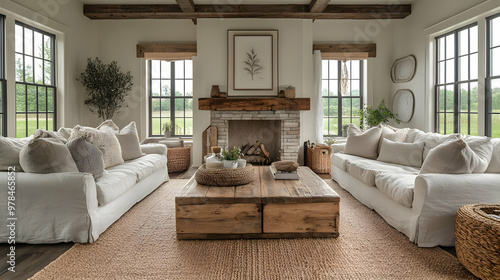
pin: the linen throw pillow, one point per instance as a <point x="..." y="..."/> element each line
<point x="451" y="157"/>
<point x="106" y="141"/>
<point x="363" y="144"/>
<point x="393" y="134"/>
<point x="87" y="157"/>
<point x="432" y="140"/>
<point x="46" y="155"/>
<point x="483" y="148"/>
<point x="64" y="132"/>
<point x="409" y="154"/>
<point x="494" y="166"/>
<point x="128" y="138"/>
<point x="9" y="151"/>
<point x="42" y="133"/>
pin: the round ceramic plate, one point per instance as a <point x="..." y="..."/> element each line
<point x="403" y="104"/>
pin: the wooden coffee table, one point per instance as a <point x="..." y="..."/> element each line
<point x="265" y="208"/>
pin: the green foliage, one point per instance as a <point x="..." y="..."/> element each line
<point x="373" y="117"/>
<point x="167" y="126"/>
<point x="329" y="141"/>
<point x="253" y="66"/>
<point x="233" y="154"/>
<point x="106" y="86"/>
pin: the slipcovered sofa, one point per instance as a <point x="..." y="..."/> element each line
<point x="419" y="203"/>
<point x="79" y="206"/>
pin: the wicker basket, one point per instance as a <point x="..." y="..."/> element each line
<point x="225" y="177"/>
<point x="318" y="158"/>
<point x="178" y="159"/>
<point x="477" y="239"/>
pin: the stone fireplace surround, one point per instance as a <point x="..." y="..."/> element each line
<point x="290" y="128"/>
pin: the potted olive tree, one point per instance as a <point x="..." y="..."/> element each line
<point x="106" y="85"/>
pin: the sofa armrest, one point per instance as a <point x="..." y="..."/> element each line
<point x="337" y="148"/>
<point x="51" y="208"/>
<point x="437" y="198"/>
<point x="159" y="149"/>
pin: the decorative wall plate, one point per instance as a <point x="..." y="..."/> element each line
<point x="403" y="69"/>
<point x="403" y="104"/>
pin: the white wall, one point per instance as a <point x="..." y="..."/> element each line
<point x="413" y="36"/>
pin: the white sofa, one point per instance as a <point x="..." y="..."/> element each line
<point x="422" y="206"/>
<point x="73" y="207"/>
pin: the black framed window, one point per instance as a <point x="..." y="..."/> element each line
<point x="493" y="77"/>
<point x="171" y="97"/>
<point x="340" y="109"/>
<point x="35" y="80"/>
<point x="3" y="81"/>
<point x="456" y="89"/>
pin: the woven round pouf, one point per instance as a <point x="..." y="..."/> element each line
<point x="477" y="239"/>
<point x="225" y="177"/>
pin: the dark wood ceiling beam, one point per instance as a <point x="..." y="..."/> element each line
<point x="187" y="6"/>
<point x="246" y="11"/>
<point x="318" y="6"/>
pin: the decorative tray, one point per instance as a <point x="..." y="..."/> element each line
<point x="225" y="177"/>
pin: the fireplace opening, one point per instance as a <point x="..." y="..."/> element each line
<point x="259" y="139"/>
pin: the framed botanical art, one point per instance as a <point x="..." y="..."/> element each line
<point x="252" y="68"/>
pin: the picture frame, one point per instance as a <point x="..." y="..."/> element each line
<point x="252" y="68"/>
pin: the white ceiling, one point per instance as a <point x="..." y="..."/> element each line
<point x="240" y="2"/>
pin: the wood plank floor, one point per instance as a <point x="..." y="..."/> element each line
<point x="32" y="258"/>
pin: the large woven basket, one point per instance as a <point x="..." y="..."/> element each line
<point x="178" y="159"/>
<point x="477" y="239"/>
<point x="318" y="158"/>
<point x="225" y="177"/>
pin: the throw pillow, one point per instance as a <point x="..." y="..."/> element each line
<point x="494" y="166"/>
<point x="108" y="125"/>
<point x="483" y="148"/>
<point x="129" y="142"/>
<point x="87" y="157"/>
<point x="172" y="143"/>
<point x="65" y="132"/>
<point x="393" y="134"/>
<point x="46" y="155"/>
<point x="9" y="152"/>
<point x="409" y="154"/>
<point x="450" y="157"/>
<point x="106" y="141"/>
<point x="363" y="144"/>
<point x="42" y="133"/>
<point x="432" y="140"/>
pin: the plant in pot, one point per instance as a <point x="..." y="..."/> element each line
<point x="106" y="85"/>
<point x="373" y="117"/>
<point x="167" y="129"/>
<point x="230" y="157"/>
<point x="345" y="127"/>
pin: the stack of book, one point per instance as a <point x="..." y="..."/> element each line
<point x="283" y="175"/>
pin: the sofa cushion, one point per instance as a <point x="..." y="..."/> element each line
<point x="398" y="187"/>
<point x="341" y="160"/>
<point x="114" y="183"/>
<point x="483" y="149"/>
<point x="9" y="152"/>
<point x="367" y="170"/>
<point x="106" y="141"/>
<point x="451" y="157"/>
<point x="409" y="154"/>
<point x="393" y="134"/>
<point x="46" y="155"/>
<point x="143" y="166"/>
<point x="363" y="144"/>
<point x="88" y="157"/>
<point x="494" y="166"/>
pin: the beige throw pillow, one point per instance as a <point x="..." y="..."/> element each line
<point x="409" y="154"/>
<point x="64" y="132"/>
<point x="393" y="134"/>
<point x="46" y="155"/>
<point x="494" y="166"/>
<point x="106" y="141"/>
<point x="108" y="125"/>
<point x="87" y="157"/>
<point x="450" y="157"/>
<point x="42" y="133"/>
<point x="483" y="149"/>
<point x="129" y="142"/>
<point x="9" y="152"/>
<point x="363" y="144"/>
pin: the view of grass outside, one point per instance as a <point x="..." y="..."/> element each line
<point x="348" y="104"/>
<point x="168" y="77"/>
<point x="35" y="85"/>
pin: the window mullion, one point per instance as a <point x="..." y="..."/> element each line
<point x="172" y="96"/>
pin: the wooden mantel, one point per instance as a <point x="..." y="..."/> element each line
<point x="254" y="104"/>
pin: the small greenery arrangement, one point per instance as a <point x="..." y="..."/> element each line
<point x="373" y="117"/>
<point x="106" y="85"/>
<point x="233" y="154"/>
<point x="167" y="126"/>
<point x="330" y="141"/>
<point x="345" y="127"/>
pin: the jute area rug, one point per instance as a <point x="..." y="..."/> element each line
<point x="142" y="245"/>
